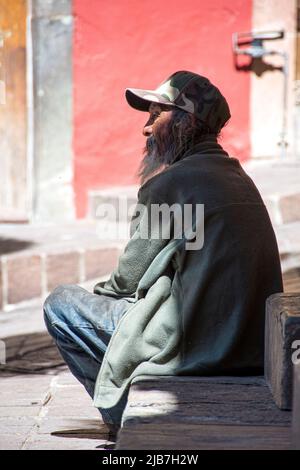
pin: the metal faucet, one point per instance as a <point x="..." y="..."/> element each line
<point x="256" y="50"/>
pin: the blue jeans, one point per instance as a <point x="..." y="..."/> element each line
<point x="82" y="324"/>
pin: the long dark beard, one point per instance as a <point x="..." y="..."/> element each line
<point x="169" y="145"/>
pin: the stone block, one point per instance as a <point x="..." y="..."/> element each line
<point x="187" y="436"/>
<point x="282" y="335"/>
<point x="296" y="407"/>
<point x="289" y="206"/>
<point x="62" y="268"/>
<point x="232" y="400"/>
<point x="121" y="200"/>
<point x="23" y="278"/>
<point x="100" y="261"/>
<point x="203" y="413"/>
<point x="272" y="206"/>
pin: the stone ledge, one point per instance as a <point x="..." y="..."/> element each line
<point x="36" y="257"/>
<point x="281" y="334"/>
<point x="203" y="413"/>
<point x="283" y="208"/>
<point x="30" y="275"/>
<point x="277" y="182"/>
<point x="296" y="406"/>
<point x="120" y="198"/>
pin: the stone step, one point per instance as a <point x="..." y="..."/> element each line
<point x="292" y="281"/>
<point x="34" y="259"/>
<point x="119" y="200"/>
<point x="296" y="405"/>
<point x="203" y="413"/>
<point x="277" y="181"/>
<point x="282" y="343"/>
<point x="279" y="185"/>
<point x="289" y="247"/>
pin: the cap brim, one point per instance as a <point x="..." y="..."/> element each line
<point x="141" y="99"/>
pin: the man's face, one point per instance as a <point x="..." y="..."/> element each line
<point x="159" y="139"/>
<point x="170" y="132"/>
<point x="158" y="121"/>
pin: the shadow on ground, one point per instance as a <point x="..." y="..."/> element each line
<point x="11" y="245"/>
<point x="38" y="387"/>
<point x="34" y="353"/>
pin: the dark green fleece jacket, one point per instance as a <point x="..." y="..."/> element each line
<point x="193" y="312"/>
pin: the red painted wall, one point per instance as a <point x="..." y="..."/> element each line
<point x="138" y="43"/>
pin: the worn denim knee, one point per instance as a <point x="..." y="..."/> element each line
<point x="82" y="324"/>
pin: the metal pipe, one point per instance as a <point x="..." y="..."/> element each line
<point x="257" y="50"/>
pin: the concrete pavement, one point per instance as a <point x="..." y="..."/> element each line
<point x="42" y="406"/>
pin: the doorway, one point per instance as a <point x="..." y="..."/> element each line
<point x="14" y="200"/>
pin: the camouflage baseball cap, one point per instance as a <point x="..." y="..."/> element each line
<point x="188" y="91"/>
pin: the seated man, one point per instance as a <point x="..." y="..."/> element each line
<point x="181" y="301"/>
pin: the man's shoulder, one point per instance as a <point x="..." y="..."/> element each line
<point x="169" y="174"/>
<point x="160" y="186"/>
<point x="176" y="177"/>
